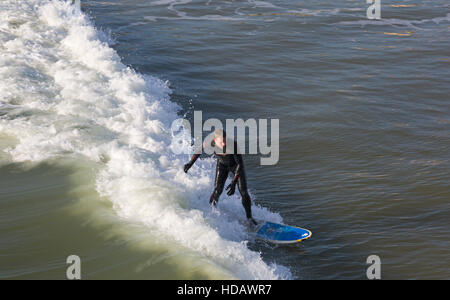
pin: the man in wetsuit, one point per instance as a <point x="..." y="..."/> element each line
<point x="227" y="163"/>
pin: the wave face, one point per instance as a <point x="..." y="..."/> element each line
<point x="64" y="92"/>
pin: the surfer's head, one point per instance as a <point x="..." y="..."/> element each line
<point x="220" y="138"/>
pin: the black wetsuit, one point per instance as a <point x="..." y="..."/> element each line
<point x="225" y="164"/>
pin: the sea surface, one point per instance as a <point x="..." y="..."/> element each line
<point x="88" y="165"/>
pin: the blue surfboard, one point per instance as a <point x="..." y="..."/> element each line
<point x="282" y="234"/>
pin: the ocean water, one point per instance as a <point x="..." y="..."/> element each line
<point x="87" y="165"/>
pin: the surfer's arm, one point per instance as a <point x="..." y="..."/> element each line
<point x="191" y="162"/>
<point x="193" y="159"/>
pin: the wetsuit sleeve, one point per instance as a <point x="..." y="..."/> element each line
<point x="196" y="156"/>
<point x="193" y="159"/>
<point x="190" y="163"/>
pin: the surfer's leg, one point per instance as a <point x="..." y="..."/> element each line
<point x="246" y="201"/>
<point x="221" y="177"/>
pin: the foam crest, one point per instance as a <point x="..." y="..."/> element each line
<point x="64" y="92"/>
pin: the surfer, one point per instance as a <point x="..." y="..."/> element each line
<point x="226" y="163"/>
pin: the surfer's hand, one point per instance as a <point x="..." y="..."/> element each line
<point x="231" y="188"/>
<point x="187" y="167"/>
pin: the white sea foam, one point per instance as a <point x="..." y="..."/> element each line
<point x="72" y="96"/>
